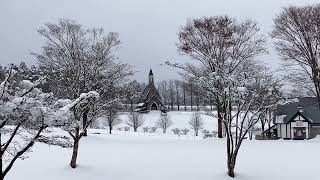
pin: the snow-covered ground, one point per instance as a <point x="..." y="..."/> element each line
<point x="180" y="120"/>
<point x="155" y="156"/>
<point x="139" y="156"/>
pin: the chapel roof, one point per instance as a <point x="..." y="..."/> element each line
<point x="306" y="106"/>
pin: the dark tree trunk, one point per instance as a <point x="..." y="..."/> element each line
<point x="131" y="106"/>
<point x="85" y="121"/>
<point x="220" y="135"/>
<point x="178" y="100"/>
<point x="73" y="162"/>
<point x="184" y="98"/>
<point x="191" y="103"/>
<point x="231" y="171"/>
<point x="197" y="101"/>
<point x="262" y="130"/>
<point x="135" y="129"/>
<point x="110" y="121"/>
<point x="1" y="171"/>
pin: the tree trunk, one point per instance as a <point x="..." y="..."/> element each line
<point x="135" y="129"/>
<point x="219" y="122"/>
<point x="85" y="121"/>
<point x="110" y="129"/>
<point x="231" y="163"/>
<point x="184" y="99"/>
<point x="73" y="162"/>
<point x="231" y="171"/>
<point x="1" y="163"/>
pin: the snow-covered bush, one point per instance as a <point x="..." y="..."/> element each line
<point x="214" y="133"/>
<point x="185" y="131"/>
<point x="145" y="129"/>
<point x="153" y="129"/>
<point x="176" y="131"/>
<point x="126" y="128"/>
<point x="205" y="131"/>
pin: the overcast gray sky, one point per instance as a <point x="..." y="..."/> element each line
<point x="148" y="28"/>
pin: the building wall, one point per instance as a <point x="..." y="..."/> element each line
<point x="284" y="131"/>
<point x="279" y="130"/>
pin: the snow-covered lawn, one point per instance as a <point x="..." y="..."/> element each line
<point x="180" y="120"/>
<point x="139" y="156"/>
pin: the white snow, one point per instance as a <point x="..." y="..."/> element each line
<point x="279" y="119"/>
<point x="180" y="120"/>
<point x="140" y="104"/>
<point x="136" y="156"/>
<point x="154" y="156"/>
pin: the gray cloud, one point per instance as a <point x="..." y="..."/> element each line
<point x="148" y="28"/>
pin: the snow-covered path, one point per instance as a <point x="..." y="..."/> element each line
<point x="156" y="157"/>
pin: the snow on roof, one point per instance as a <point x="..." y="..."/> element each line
<point x="140" y="104"/>
<point x="280" y="119"/>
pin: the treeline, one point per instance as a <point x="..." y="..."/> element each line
<point x="179" y="95"/>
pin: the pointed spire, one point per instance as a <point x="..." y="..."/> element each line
<point x="150" y="77"/>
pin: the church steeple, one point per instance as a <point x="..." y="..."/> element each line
<point x="151" y="77"/>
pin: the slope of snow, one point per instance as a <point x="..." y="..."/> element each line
<point x="139" y="156"/>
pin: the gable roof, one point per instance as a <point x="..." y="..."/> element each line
<point x="307" y="107"/>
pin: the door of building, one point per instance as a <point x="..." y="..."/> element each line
<point x="299" y="133"/>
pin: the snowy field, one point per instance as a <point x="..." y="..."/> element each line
<point x="154" y="156"/>
<point x="157" y="157"/>
<point x="180" y="120"/>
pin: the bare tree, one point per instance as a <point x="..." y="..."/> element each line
<point x="164" y="92"/>
<point x="226" y="50"/>
<point x="196" y="123"/>
<point x="177" y="85"/>
<point x="113" y="119"/>
<point x="164" y="122"/>
<point x="297" y="34"/>
<point x="184" y="87"/>
<point x="171" y="93"/>
<point x="220" y="44"/>
<point x="133" y="91"/>
<point x="135" y="120"/>
<point x="76" y="60"/>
